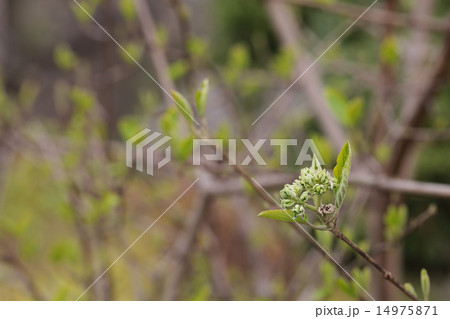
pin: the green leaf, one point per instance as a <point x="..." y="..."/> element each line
<point x="28" y="93"/>
<point x="134" y="49"/>
<point x="178" y="69"/>
<point x="127" y="9"/>
<point x="354" y="111"/>
<point x="280" y="214"/>
<point x="425" y="283"/>
<point x="197" y="47"/>
<point x="362" y="276"/>
<point x="182" y="149"/>
<point x="162" y="36"/>
<point x="169" y="121"/>
<point x="328" y="274"/>
<point x="341" y="173"/>
<point x="325" y="239"/>
<point x="202" y="97"/>
<point x="283" y="63"/>
<point x="88" y="6"/>
<point x="395" y="221"/>
<point x="346" y="287"/>
<point x="389" y="51"/>
<point x="239" y="56"/>
<point x="348" y="111"/>
<point x="128" y="126"/>
<point x="410" y="289"/>
<point x="239" y="59"/>
<point x="182" y="104"/>
<point x="82" y="99"/>
<point x="64" y="57"/>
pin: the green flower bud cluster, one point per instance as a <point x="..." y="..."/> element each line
<point x="317" y="181"/>
<point x="312" y="181"/>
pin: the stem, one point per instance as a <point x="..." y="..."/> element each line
<point x="317" y="227"/>
<point x="314" y="209"/>
<point x="386" y="274"/>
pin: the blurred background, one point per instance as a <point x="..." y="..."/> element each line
<point x="70" y="97"/>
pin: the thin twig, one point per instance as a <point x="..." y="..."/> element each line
<point x="419" y="221"/>
<point x="412" y="226"/>
<point x="157" y="53"/>
<point x="386" y="274"/>
<point x="183" y="247"/>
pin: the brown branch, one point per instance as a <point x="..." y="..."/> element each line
<point x="289" y="33"/>
<point x="219" y="276"/>
<point x="416" y="51"/>
<point x="386" y="274"/>
<point x="403" y="146"/>
<point x="182" y="15"/>
<point x="14" y="261"/>
<point x="183" y="247"/>
<point x="420" y="134"/>
<point x="157" y="53"/>
<point x="378" y="16"/>
<point x="400" y="185"/>
<point x="275" y="180"/>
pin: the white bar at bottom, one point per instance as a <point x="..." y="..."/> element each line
<point x="224" y="309"/>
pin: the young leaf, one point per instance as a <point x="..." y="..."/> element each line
<point x="202" y="97"/>
<point x="410" y="289"/>
<point x="183" y="105"/>
<point x="342" y="173"/>
<point x="425" y="283"/>
<point x="279" y="214"/>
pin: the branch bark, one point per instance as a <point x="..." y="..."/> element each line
<point x="289" y="33"/>
<point x="403" y="146"/>
<point x="157" y="54"/>
<point x="275" y="180"/>
<point x="386" y="274"/>
<point x="183" y="247"/>
<point x="378" y="16"/>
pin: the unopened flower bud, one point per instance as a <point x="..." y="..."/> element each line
<point x="304" y="197"/>
<point x="304" y="171"/>
<point x="287" y="203"/>
<point x="309" y="180"/>
<point x="288" y="192"/>
<point x="319" y="189"/>
<point x="321" y="177"/>
<point x="298" y="210"/>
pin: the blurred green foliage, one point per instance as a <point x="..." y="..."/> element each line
<point x="69" y="206"/>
